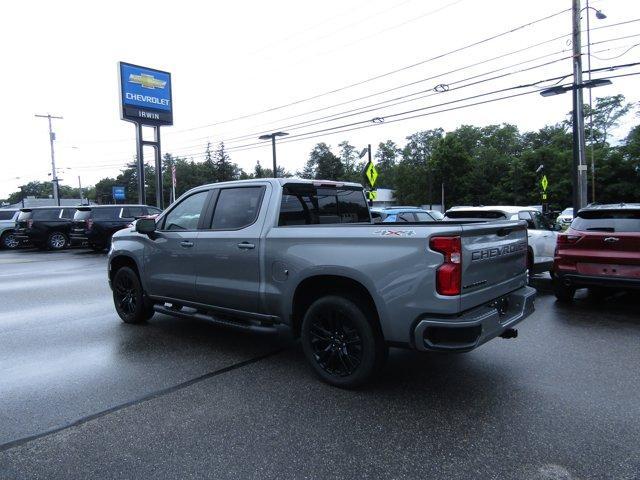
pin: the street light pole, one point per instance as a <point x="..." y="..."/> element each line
<point x="579" y="164"/>
<point x="54" y="177"/>
<point x="272" y="137"/>
<point x="599" y="16"/>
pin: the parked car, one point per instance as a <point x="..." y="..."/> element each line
<point x="541" y="233"/>
<point x="404" y="214"/>
<point x="45" y="227"/>
<point x="565" y="218"/>
<point x="600" y="250"/>
<point x="94" y="225"/>
<point x="7" y="228"/>
<point x="256" y="254"/>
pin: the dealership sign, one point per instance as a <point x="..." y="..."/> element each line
<point x="118" y="193"/>
<point x="145" y="95"/>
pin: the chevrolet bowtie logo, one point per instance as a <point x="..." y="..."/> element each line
<point x="147" y="81"/>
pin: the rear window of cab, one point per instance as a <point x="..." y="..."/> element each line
<point x="307" y="204"/>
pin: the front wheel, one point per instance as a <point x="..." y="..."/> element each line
<point x="341" y="343"/>
<point x="9" y="241"/>
<point x="129" y="298"/>
<point x="57" y="241"/>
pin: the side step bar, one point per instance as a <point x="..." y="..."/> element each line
<point x="243" y="325"/>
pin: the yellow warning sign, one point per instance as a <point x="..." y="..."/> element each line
<point x="544" y="183"/>
<point x="372" y="195"/>
<point x="371" y="173"/>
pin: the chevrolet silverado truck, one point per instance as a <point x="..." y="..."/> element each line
<point x="265" y="253"/>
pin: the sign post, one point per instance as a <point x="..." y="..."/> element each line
<point x="371" y="175"/>
<point x="145" y="100"/>
<point x="544" y="183"/>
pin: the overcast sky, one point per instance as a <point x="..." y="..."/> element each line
<point x="233" y="59"/>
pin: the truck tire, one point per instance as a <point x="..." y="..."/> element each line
<point x="340" y="341"/>
<point x="57" y="241"/>
<point x="8" y="241"/>
<point x="562" y="292"/>
<point x="129" y="298"/>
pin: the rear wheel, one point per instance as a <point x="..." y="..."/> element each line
<point x="9" y="241"/>
<point x="340" y="342"/>
<point x="129" y="298"/>
<point x="563" y="292"/>
<point x="57" y="241"/>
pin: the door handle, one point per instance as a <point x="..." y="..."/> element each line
<point x="186" y="244"/>
<point x="611" y="239"/>
<point x="246" y="246"/>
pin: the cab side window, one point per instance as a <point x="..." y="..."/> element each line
<point x="186" y="214"/>
<point x="237" y="208"/>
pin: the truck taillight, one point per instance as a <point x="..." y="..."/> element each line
<point x="449" y="274"/>
<point x="89" y="223"/>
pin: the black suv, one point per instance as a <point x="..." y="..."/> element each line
<point x="94" y="225"/>
<point x="45" y="227"/>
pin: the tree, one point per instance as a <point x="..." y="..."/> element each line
<point x="224" y="169"/>
<point x="327" y="165"/>
<point x="386" y="157"/>
<point x="414" y="183"/>
<point x="352" y="169"/>
<point x="606" y="115"/>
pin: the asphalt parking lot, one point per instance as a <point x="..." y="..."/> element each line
<point x="83" y="395"/>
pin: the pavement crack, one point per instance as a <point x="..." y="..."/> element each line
<point x="142" y="399"/>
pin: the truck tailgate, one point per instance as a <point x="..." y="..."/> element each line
<point x="494" y="261"/>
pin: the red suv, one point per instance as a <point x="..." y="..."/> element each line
<point x="601" y="249"/>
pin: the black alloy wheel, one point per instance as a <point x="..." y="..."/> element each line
<point x="342" y="340"/>
<point x="128" y="297"/>
<point x="336" y="344"/>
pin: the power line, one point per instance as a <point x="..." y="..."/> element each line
<point x="383" y="75"/>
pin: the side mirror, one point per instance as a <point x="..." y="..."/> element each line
<point x="146" y="225"/>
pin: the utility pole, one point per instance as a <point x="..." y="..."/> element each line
<point x="579" y="163"/>
<point x="54" y="176"/>
<point x="80" y="190"/>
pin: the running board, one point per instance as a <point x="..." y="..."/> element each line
<point x="244" y="325"/>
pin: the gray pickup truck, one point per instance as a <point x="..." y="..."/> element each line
<point x="258" y="254"/>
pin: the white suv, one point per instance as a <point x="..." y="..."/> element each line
<point x="541" y="232"/>
<point x="7" y="226"/>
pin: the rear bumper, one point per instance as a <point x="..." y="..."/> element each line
<point x="78" y="239"/>
<point x="579" y="281"/>
<point x="474" y="327"/>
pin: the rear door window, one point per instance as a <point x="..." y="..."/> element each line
<point x="6" y="214"/>
<point x="607" y="221"/>
<point x="306" y="204"/>
<point x="237" y="208"/>
<point x="107" y="213"/>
